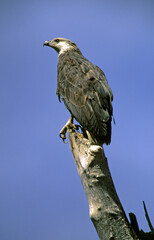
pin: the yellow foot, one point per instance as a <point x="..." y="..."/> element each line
<point x="68" y="125"/>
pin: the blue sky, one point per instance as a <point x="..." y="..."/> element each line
<point x="41" y="193"/>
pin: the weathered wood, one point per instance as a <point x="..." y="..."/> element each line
<point x="105" y="209"/>
<point x="140" y="233"/>
<point x="147" y="217"/>
<point x="134" y="223"/>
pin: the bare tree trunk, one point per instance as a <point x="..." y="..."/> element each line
<point x="106" y="211"/>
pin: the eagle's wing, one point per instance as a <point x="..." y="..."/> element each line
<point x="87" y="95"/>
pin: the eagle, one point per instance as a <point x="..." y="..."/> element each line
<point x="85" y="92"/>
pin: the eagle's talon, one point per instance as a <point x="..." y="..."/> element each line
<point x="68" y="125"/>
<point x="62" y="136"/>
<point x="75" y="127"/>
<point x="64" y="141"/>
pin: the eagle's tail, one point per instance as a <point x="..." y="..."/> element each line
<point x="100" y="139"/>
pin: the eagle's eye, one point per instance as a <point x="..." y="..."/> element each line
<point x="57" y="40"/>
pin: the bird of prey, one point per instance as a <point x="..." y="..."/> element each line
<point x="85" y="92"/>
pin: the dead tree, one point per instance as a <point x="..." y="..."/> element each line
<point x="105" y="209"/>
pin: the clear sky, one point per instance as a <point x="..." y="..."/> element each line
<point x="41" y="196"/>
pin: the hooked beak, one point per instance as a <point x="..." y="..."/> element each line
<point x="46" y="43"/>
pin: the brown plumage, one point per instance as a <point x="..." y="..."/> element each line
<point x="84" y="89"/>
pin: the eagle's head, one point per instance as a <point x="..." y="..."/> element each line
<point x="61" y="45"/>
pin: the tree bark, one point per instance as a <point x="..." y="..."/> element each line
<point x="105" y="209"/>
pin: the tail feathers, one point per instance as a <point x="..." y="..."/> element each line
<point x="100" y="138"/>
